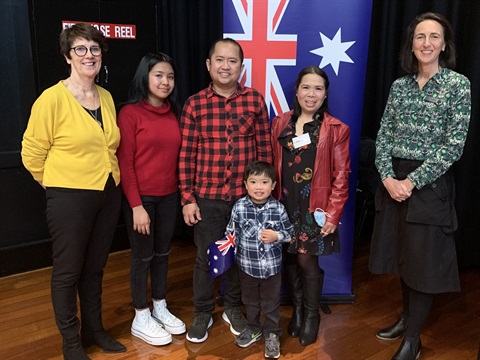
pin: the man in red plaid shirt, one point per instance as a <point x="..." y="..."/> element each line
<point x="224" y="127"/>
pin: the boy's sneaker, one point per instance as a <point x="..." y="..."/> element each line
<point x="235" y="318"/>
<point x="248" y="337"/>
<point x="272" y="346"/>
<point x="198" y="332"/>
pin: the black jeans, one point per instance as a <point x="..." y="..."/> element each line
<point x="82" y="224"/>
<point x="262" y="295"/>
<point x="215" y="217"/>
<point x="150" y="252"/>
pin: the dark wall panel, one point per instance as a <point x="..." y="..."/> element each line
<point x="17" y="91"/>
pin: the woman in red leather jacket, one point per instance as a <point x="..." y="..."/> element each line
<point x="312" y="163"/>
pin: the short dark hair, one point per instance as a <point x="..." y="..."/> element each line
<point x="139" y="87"/>
<point x="447" y="57"/>
<point x="226" y="40"/>
<point x="297" y="110"/>
<point x="84" y="31"/>
<point x="259" y="168"/>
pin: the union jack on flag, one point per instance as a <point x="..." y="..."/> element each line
<point x="259" y="22"/>
<point x="226" y="243"/>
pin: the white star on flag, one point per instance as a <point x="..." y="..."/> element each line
<point x="333" y="51"/>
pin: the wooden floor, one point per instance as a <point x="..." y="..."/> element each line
<point x="28" y="331"/>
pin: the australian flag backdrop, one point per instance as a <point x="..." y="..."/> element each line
<point x="281" y="37"/>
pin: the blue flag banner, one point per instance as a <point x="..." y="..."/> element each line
<point x="281" y="37"/>
<point x="221" y="255"/>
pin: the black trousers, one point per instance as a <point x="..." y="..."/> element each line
<point x="215" y="217"/>
<point x="150" y="252"/>
<point x="82" y="224"/>
<point x="262" y="295"/>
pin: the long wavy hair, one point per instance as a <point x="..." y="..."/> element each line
<point x="297" y="110"/>
<point x="139" y="87"/>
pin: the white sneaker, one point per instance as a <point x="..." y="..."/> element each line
<point x="145" y="328"/>
<point x="170" y="322"/>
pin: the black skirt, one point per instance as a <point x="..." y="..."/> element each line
<point x="415" y="238"/>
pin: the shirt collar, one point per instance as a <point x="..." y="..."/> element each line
<point x="240" y="91"/>
<point x="438" y="78"/>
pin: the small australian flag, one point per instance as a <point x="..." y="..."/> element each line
<point x="221" y="255"/>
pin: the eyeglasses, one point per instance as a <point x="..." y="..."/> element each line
<point x="81" y="50"/>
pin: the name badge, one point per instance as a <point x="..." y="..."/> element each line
<point x="301" y="140"/>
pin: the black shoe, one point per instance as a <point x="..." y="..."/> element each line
<point x="198" y="332"/>
<point x="102" y="340"/>
<point x="395" y="331"/>
<point x="73" y="350"/>
<point x="408" y="350"/>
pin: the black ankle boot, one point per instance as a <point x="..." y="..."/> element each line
<point x="73" y="350"/>
<point x="395" y="331"/>
<point x="409" y="349"/>
<point x="312" y="290"/>
<point x="103" y="340"/>
<point x="295" y="284"/>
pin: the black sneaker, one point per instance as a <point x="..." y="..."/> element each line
<point x="248" y="337"/>
<point x="198" y="332"/>
<point x="235" y="318"/>
<point x="272" y="346"/>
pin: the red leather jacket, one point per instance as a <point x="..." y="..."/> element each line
<point x="332" y="165"/>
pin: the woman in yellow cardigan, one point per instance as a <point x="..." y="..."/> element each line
<point x="69" y="147"/>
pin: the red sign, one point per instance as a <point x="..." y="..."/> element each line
<point x="112" y="31"/>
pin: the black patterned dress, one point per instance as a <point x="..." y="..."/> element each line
<point x="296" y="183"/>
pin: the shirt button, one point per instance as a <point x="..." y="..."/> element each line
<point x="109" y="165"/>
<point x="434" y="185"/>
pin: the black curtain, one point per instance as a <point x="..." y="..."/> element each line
<point x="389" y="22"/>
<point x="186" y="31"/>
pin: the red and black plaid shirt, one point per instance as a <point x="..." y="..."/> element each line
<point x="220" y="137"/>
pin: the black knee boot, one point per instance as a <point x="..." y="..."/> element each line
<point x="295" y="285"/>
<point x="312" y="291"/>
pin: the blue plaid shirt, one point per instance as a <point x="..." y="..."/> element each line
<point x="254" y="257"/>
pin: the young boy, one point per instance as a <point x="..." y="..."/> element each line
<point x="261" y="226"/>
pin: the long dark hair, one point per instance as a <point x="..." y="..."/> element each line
<point x="139" y="87"/>
<point x="447" y="57"/>
<point x="297" y="110"/>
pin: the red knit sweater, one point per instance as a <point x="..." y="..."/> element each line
<point x="148" y="151"/>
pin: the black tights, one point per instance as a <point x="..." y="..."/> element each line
<point x="308" y="264"/>
<point x="416" y="306"/>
